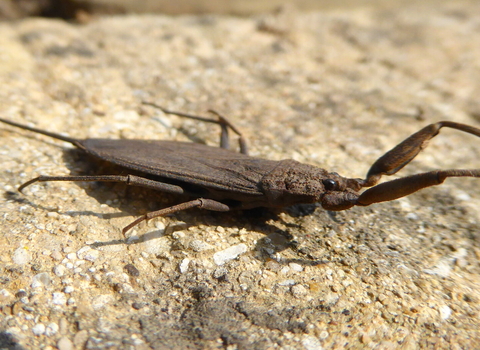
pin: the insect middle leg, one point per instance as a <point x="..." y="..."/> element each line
<point x="222" y="121"/>
<point x="202" y="203"/>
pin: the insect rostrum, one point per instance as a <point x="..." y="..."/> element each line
<point x="221" y="180"/>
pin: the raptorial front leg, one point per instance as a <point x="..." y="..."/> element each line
<point x="399" y="156"/>
<point x="222" y="121"/>
<point x="203" y="203"/>
<point x="131" y="180"/>
<point x="404" y="152"/>
<point x="390" y="190"/>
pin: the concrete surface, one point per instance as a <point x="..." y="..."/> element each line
<point x="333" y="89"/>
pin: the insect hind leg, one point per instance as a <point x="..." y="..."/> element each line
<point x="131" y="180"/>
<point x="224" y="123"/>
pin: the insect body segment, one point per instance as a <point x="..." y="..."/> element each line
<point x="221" y="180"/>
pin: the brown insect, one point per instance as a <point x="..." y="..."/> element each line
<point x="222" y="180"/>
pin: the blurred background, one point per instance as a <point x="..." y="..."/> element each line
<point x="80" y="9"/>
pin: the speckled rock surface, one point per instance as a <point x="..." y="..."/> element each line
<point x="332" y="89"/>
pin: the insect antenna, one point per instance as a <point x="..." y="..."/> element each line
<point x="43" y="132"/>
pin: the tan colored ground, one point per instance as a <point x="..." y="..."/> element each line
<point x="333" y="89"/>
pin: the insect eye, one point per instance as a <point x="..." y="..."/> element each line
<point x="329" y="184"/>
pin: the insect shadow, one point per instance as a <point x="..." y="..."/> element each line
<point x="221" y="180"/>
<point x="146" y="200"/>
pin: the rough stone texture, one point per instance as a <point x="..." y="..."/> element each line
<point x="334" y="89"/>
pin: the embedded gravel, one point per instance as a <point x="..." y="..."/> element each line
<point x="333" y="89"/>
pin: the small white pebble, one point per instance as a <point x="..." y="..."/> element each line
<point x="159" y="225"/>
<point x="21" y="256"/>
<point x="460" y="253"/>
<point x="102" y="300"/>
<point x="82" y="251"/>
<point x="286" y="283"/>
<point x="38" y="329"/>
<point x="445" y="312"/>
<point x="198" y="246"/>
<point x="68" y="289"/>
<point x="310" y="342"/>
<point x="230" y="253"/>
<point x="41" y="279"/>
<point x="59" y="298"/>
<point x="57" y="255"/>
<point x="132" y="239"/>
<point x="126" y="116"/>
<point x="288" y="335"/>
<point x="323" y="335"/>
<point x="71" y="256"/>
<point x="184" y="265"/>
<point x="127" y="288"/>
<point x="79" y="262"/>
<point x="67" y="280"/>
<point x="463" y="196"/>
<point x="296" y="267"/>
<point x="136" y="341"/>
<point x="412" y="216"/>
<point x="36" y="284"/>
<point x="92" y="255"/>
<point x="442" y="269"/>
<point x="64" y="344"/>
<point x="299" y="290"/>
<point x="59" y="270"/>
<point x="5" y="295"/>
<point x="51" y="329"/>
<point x="178" y="234"/>
<point x="63" y="325"/>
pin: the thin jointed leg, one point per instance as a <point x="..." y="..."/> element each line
<point x="222" y="121"/>
<point x="203" y="203"/>
<point x="131" y="180"/>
